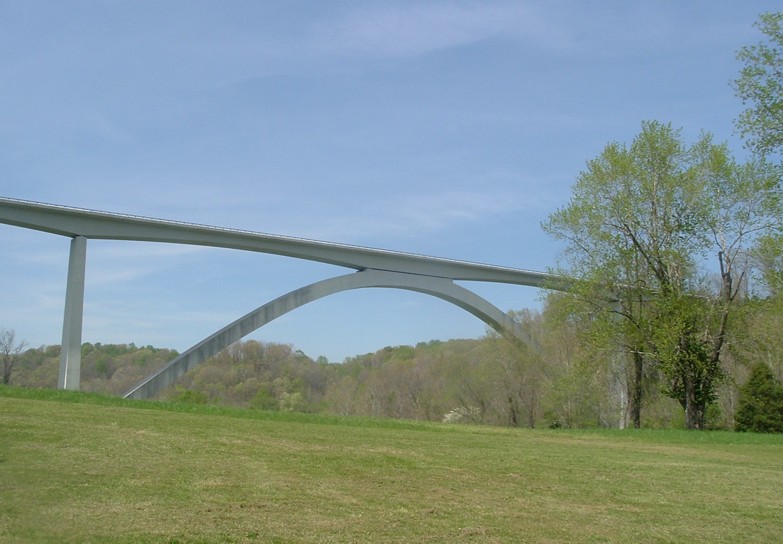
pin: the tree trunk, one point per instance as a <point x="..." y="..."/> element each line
<point x="637" y="390"/>
<point x="512" y="413"/>
<point x="694" y="414"/>
<point x="531" y="411"/>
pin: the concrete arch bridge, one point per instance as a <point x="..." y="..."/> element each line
<point x="371" y="268"/>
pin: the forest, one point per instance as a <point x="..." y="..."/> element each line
<point x="490" y="380"/>
<point x="674" y="250"/>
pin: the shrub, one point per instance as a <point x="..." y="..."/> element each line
<point x="761" y="403"/>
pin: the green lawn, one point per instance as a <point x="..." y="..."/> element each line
<point x="78" y="468"/>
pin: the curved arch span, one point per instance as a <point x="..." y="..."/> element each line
<point x="442" y="288"/>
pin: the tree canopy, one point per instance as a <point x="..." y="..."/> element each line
<point x="760" y="87"/>
<point x="641" y="227"/>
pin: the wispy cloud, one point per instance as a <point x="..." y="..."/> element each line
<point x="440" y="210"/>
<point x="111" y="323"/>
<point x="416" y="215"/>
<point x="419" y="28"/>
<point x="111" y="263"/>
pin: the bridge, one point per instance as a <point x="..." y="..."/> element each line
<point x="371" y="267"/>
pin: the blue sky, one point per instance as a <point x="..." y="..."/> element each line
<point x="444" y="128"/>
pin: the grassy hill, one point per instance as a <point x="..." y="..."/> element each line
<point x="83" y="468"/>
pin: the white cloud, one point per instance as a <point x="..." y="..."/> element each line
<point x="420" y="28"/>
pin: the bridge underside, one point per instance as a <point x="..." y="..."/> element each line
<point x="438" y="287"/>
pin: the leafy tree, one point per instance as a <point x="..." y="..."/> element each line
<point x="760" y="87"/>
<point x="518" y="372"/>
<point x="589" y="382"/>
<point x="190" y="397"/>
<point x="761" y="402"/>
<point x="768" y="257"/>
<point x="638" y="227"/>
<point x="10" y="351"/>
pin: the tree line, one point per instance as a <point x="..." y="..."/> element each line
<point x="564" y="382"/>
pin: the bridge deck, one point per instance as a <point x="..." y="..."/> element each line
<point x="71" y="222"/>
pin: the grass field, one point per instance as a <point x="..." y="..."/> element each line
<point x="80" y="468"/>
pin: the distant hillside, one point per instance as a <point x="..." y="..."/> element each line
<point x="426" y="382"/>
<point x="106" y="368"/>
<point x="487" y="381"/>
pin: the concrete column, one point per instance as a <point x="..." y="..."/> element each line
<point x="71" y="350"/>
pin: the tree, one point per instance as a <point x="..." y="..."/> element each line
<point x="638" y="228"/>
<point x="761" y="402"/>
<point x="517" y="371"/>
<point x="10" y="351"/>
<point x="768" y="257"/>
<point x="760" y="87"/>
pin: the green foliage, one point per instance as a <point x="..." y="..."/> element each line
<point x="768" y="255"/>
<point x="105" y="368"/>
<point x="761" y="402"/>
<point x="488" y="381"/>
<point x="686" y="360"/>
<point x="10" y="353"/>
<point x="264" y="399"/>
<point x="760" y="87"/>
<point x="639" y="222"/>
<point x="190" y="397"/>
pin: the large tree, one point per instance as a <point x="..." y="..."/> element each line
<point x="642" y="224"/>
<point x="760" y="87"/>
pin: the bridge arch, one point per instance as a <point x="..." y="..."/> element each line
<point x="442" y="288"/>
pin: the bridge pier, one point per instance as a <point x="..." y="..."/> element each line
<point x="71" y="349"/>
